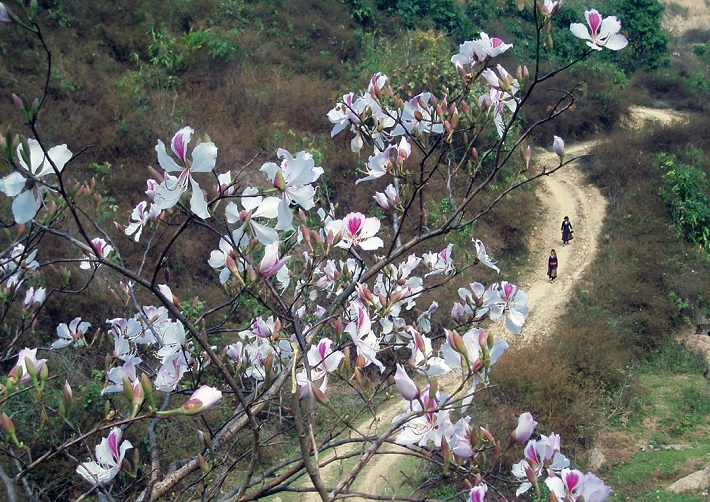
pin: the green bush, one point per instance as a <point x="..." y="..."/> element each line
<point x="685" y="192"/>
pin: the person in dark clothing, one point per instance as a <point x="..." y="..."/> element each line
<point x="552" y="266"/>
<point x="567" y="231"/>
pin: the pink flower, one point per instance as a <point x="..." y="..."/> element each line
<point x="478" y="51"/>
<point x="572" y="485"/>
<point x="202" y="400"/>
<point x="389" y="199"/>
<point x="356" y="229"/>
<point x="605" y="32"/>
<point x="483" y="255"/>
<point x="270" y="263"/>
<point x="293" y="178"/>
<point x="204" y="158"/>
<point x="101" y="249"/>
<point x="109" y="457"/>
<point x="478" y="493"/>
<point x="140" y="217"/>
<point x="526" y="426"/>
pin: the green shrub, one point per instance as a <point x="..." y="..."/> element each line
<point x="685" y="192"/>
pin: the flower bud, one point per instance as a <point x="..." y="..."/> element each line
<point x="525" y="428"/>
<point x="406" y="386"/>
<point x="280" y="181"/>
<point x="205" y="440"/>
<point x="138" y="398"/>
<point x="318" y="394"/>
<point x="127" y="389"/>
<point x="204" y="466"/>
<point x="7" y="424"/>
<point x="558" y="146"/>
<point x="43" y="375"/>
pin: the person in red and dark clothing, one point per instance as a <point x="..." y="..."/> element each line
<point x="552" y="266"/>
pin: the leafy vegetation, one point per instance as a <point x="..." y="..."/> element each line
<point x="686" y="193"/>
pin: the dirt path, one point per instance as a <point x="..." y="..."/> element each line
<point x="565" y="193"/>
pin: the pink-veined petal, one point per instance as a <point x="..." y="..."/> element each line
<point x="165" y="160"/>
<point x="180" y="142"/>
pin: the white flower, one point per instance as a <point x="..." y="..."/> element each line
<point x="109" y="456"/>
<point x="255" y="206"/>
<point x="204" y="158"/>
<point x="293" y="178"/>
<point x="71" y="334"/>
<point x="28" y="202"/>
<point x="605" y="32"/>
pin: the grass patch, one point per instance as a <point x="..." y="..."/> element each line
<point x="667" y="436"/>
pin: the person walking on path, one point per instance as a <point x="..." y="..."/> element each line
<point x="567" y="231"/>
<point x="552" y="266"/>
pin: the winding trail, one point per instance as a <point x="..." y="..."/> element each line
<point x="564" y="193"/>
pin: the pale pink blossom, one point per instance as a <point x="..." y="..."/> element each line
<point x="558" y="146"/>
<point x="406" y="386"/>
<point x="171" y="372"/>
<point x="293" y="178"/>
<point x="140" y="217"/>
<point x="202" y="400"/>
<point x="4" y="16"/>
<point x="218" y="259"/>
<point x="357" y="230"/>
<point x="102" y="249"/>
<point x="204" y="158"/>
<point x="525" y="428"/>
<point x="322" y="360"/>
<point x="479" y="51"/>
<point x="270" y="264"/>
<point x="255" y="207"/>
<point x="389" y="199"/>
<point x="422" y="421"/>
<point x="549" y="8"/>
<point x="478" y="493"/>
<point x="540" y="455"/>
<point x="378" y="164"/>
<point x="117" y="374"/>
<point x="109" y="457"/>
<point x="571" y="485"/>
<point x="605" y="32"/>
<point x="418" y="116"/>
<point x="265" y="328"/>
<point x="364" y="339"/>
<point x="439" y="263"/>
<point x="34" y="297"/>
